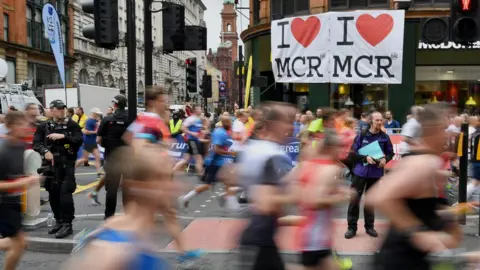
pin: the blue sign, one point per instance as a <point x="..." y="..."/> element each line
<point x="53" y="32"/>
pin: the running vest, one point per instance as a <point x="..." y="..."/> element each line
<point x="175" y="128"/>
<point x="144" y="257"/>
<point x="194" y="124"/>
<point x="317" y="229"/>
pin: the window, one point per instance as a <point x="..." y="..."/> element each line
<point x="10" y="78"/>
<point x="29" y="26"/>
<point x="99" y="79"/>
<point x="229" y="28"/>
<point x="354" y="4"/>
<point x="61" y="7"/>
<point x="256" y="11"/>
<point x="431" y="2"/>
<point x="6" y="25"/>
<point x="83" y="77"/>
<point x="169" y="71"/>
<point x="287" y="8"/>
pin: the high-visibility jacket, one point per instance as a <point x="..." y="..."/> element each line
<point x="175" y="128"/>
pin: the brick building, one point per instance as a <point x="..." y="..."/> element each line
<point x="24" y="46"/>
<point x="227" y="52"/>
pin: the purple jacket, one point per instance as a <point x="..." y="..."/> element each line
<point x="363" y="139"/>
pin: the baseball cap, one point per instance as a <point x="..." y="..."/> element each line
<point x="120" y="100"/>
<point x="57" y="104"/>
<point x="96" y="110"/>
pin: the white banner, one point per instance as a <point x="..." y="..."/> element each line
<point x="339" y="47"/>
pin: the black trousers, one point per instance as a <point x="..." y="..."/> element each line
<point x="60" y="193"/>
<point x="112" y="182"/>
<point x="360" y="184"/>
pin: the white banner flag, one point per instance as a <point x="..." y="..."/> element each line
<point x="339" y="47"/>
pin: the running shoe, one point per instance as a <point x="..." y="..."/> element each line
<point x="94" y="198"/>
<point x="182" y="203"/>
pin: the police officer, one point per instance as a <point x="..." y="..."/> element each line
<point x="110" y="136"/>
<point x="58" y="141"/>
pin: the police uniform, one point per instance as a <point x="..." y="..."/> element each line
<point x="61" y="183"/>
<point x="111" y="131"/>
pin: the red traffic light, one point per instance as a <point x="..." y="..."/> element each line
<point x="188" y="62"/>
<point x="466" y="5"/>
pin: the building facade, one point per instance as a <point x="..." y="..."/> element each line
<point x="227" y="53"/>
<point x="103" y="67"/>
<point x="26" y="50"/>
<point x="214" y="102"/>
<point x="431" y="73"/>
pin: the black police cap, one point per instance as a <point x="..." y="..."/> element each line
<point x="120" y="100"/>
<point x="57" y="104"/>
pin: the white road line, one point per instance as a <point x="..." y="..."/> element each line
<point x="213" y="196"/>
<point x="197" y="211"/>
<point x="203" y="206"/>
<point x="208" y="201"/>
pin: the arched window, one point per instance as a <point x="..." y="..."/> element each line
<point x="121" y="84"/>
<point x="140" y="88"/>
<point x="111" y="81"/>
<point x="229" y="27"/>
<point x="83" y="77"/>
<point x="99" y="79"/>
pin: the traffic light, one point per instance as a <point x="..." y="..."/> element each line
<point x="104" y="30"/>
<point x="435" y="30"/>
<point x="465" y="21"/>
<point x="191" y="64"/>
<point x="195" y="39"/>
<point x="173" y="19"/>
<point x="207" y="85"/>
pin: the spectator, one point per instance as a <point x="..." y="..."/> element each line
<point x="316" y="126"/>
<point x="366" y="173"/>
<point x="455" y="127"/>
<point x="343" y="114"/>
<point x="364" y="123"/>
<point x="391" y="125"/>
<point x="12" y="109"/>
<point x="109" y="111"/>
<point x="297" y="124"/>
<point x="70" y="112"/>
<point x="80" y="118"/>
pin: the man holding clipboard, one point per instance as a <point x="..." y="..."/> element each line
<point x="371" y="151"/>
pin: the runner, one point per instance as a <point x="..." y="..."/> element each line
<point x="261" y="168"/>
<point x="192" y="127"/>
<point x="408" y="196"/>
<point x="12" y="184"/>
<point x="148" y="129"/>
<point x="124" y="242"/>
<point x="217" y="157"/>
<point x="90" y="141"/>
<point x="321" y="190"/>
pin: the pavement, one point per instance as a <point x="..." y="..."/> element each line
<point x="205" y="226"/>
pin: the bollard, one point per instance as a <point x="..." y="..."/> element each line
<point x="463" y="170"/>
<point x="31" y="196"/>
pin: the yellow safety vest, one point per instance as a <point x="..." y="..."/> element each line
<point x="176" y="128"/>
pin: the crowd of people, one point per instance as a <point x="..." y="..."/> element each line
<point x="244" y="153"/>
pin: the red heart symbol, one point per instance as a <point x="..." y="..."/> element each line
<point x="306" y="31"/>
<point x="374" y="30"/>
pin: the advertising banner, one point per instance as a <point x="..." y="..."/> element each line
<point x="53" y="31"/>
<point x="222" y="90"/>
<point x="340" y="47"/>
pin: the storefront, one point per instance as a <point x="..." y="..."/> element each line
<point x="431" y="73"/>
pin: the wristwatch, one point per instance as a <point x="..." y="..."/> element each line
<point x="416" y="229"/>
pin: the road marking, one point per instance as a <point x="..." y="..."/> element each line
<point x="87" y="173"/>
<point x="203" y="205"/>
<point x="208" y="201"/>
<point x="83" y="188"/>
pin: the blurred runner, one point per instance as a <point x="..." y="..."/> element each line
<point x="409" y="197"/>
<point x="12" y="184"/>
<point x="262" y="167"/>
<point x="217" y="157"/>
<point x="192" y="127"/>
<point x="321" y="189"/>
<point x="90" y="141"/>
<point x="125" y="242"/>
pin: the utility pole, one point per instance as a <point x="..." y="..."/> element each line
<point x="240" y="76"/>
<point x="132" y="60"/>
<point x="147" y="26"/>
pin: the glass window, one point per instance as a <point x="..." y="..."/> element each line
<point x="285" y="8"/>
<point x="29" y="26"/>
<point x="6" y="25"/>
<point x="10" y="78"/>
<point x="99" y="79"/>
<point x="359" y="97"/>
<point x="61" y="7"/>
<point x="352" y="4"/>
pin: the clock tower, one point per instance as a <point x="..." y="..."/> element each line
<point x="229" y="35"/>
